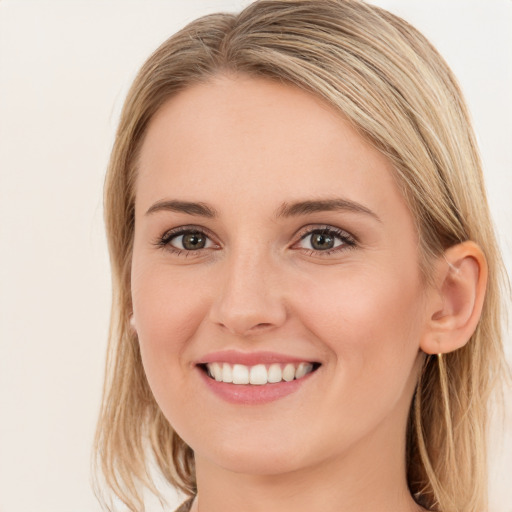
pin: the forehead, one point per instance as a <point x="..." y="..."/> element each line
<point x="245" y="138"/>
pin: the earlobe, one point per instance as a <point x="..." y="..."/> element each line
<point x="132" y="323"/>
<point x="455" y="308"/>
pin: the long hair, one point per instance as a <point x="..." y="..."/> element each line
<point x="392" y="85"/>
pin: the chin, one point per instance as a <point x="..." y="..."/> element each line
<point x="263" y="454"/>
<point x="263" y="462"/>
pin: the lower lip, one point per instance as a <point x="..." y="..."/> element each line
<point x="250" y="394"/>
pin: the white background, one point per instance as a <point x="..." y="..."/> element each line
<point x="64" y="71"/>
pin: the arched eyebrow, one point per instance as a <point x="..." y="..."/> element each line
<point x="286" y="210"/>
<point x="191" y="208"/>
<point x="322" y="205"/>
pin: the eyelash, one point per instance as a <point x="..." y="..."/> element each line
<point x="348" y="241"/>
<point x="164" y="242"/>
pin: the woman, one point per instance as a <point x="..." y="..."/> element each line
<point x="306" y="280"/>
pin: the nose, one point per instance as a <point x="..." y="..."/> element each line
<point x="250" y="297"/>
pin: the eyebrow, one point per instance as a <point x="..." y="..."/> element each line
<point x="284" y="211"/>
<point x="323" y="205"/>
<point x="191" y="208"/>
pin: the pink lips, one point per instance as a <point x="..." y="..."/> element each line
<point x="249" y="358"/>
<point x="250" y="394"/>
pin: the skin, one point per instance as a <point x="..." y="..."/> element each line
<point x="245" y="146"/>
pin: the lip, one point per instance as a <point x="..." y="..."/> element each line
<point x="251" y="358"/>
<point x="247" y="394"/>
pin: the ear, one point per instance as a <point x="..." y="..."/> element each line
<point x="132" y="323"/>
<point x="455" y="305"/>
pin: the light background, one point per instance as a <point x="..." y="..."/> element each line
<point x="64" y="71"/>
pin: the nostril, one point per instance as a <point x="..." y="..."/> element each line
<point x="243" y="308"/>
<point x="262" y="326"/>
<point x="244" y="327"/>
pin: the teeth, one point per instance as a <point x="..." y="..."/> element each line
<point x="275" y="374"/>
<point x="259" y="374"/>
<point x="303" y="369"/>
<point x="240" y="374"/>
<point x="216" y="371"/>
<point x="227" y="373"/>
<point x="289" y="372"/>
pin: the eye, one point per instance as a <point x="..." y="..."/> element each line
<point x="185" y="240"/>
<point x="191" y="241"/>
<point x="327" y="240"/>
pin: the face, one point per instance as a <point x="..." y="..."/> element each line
<point x="272" y="247"/>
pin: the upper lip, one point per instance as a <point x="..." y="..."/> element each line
<point x="251" y="358"/>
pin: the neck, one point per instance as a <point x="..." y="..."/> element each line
<point x="368" y="478"/>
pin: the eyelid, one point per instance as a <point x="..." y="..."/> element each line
<point x="328" y="228"/>
<point x="164" y="240"/>
<point x="349" y="240"/>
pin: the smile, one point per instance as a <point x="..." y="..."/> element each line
<point x="259" y="374"/>
<point x="253" y="378"/>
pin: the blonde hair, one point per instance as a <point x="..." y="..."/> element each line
<point x="385" y="78"/>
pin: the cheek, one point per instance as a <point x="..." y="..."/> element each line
<point x="370" y="320"/>
<point x="371" y="327"/>
<point x="167" y="313"/>
<point x="167" y="305"/>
